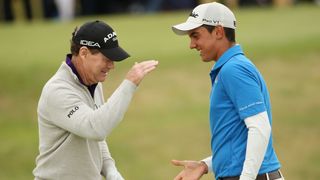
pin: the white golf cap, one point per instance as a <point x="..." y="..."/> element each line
<point x="212" y="14"/>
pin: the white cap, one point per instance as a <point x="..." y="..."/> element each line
<point x="212" y="14"/>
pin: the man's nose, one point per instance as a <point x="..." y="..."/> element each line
<point x="192" y="45"/>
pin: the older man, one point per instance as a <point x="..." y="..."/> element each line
<point x="73" y="118"/>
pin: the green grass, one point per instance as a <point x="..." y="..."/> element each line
<point x="168" y="117"/>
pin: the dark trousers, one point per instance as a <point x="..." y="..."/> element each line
<point x="8" y="13"/>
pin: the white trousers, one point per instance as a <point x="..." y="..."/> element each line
<point x="66" y="9"/>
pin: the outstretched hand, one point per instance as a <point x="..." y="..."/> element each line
<point x="193" y="170"/>
<point x="139" y="70"/>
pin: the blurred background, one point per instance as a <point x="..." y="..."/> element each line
<point x="67" y="10"/>
<point x="168" y="118"/>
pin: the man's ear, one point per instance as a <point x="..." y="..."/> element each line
<point x="219" y="32"/>
<point x="83" y="52"/>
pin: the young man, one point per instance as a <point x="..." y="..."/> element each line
<point x="240" y="110"/>
<point x="73" y="118"/>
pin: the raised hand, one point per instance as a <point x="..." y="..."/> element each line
<point x="139" y="70"/>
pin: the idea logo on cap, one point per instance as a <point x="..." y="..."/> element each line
<point x="99" y="35"/>
<point x="89" y="43"/>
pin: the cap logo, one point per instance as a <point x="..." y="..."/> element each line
<point x="210" y="21"/>
<point x="207" y="20"/>
<point x="193" y="14"/>
<point x="89" y="43"/>
<point x="109" y="36"/>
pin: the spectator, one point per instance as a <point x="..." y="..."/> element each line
<point x="157" y="5"/>
<point x="9" y="14"/>
<point x="66" y="9"/>
<point x="93" y="7"/>
<point x="49" y="9"/>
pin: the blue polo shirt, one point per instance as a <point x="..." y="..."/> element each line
<point x="238" y="91"/>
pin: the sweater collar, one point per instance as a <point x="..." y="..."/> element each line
<point x="74" y="70"/>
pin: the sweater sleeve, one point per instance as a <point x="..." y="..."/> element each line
<point x="109" y="169"/>
<point x="67" y="110"/>
<point x="106" y="156"/>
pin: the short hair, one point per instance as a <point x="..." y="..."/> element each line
<point x="75" y="48"/>
<point x="230" y="33"/>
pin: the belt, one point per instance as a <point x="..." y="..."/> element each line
<point x="266" y="176"/>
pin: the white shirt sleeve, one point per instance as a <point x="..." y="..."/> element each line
<point x="258" y="138"/>
<point x="208" y="162"/>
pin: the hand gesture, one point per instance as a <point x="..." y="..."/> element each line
<point x="139" y="70"/>
<point x="193" y="170"/>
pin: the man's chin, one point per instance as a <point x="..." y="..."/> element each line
<point x="102" y="79"/>
<point x="206" y="60"/>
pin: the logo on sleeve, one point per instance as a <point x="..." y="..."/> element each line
<point x="76" y="108"/>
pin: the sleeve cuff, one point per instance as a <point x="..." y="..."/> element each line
<point x="208" y="162"/>
<point x="129" y="87"/>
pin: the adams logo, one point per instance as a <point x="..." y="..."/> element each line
<point x="112" y="36"/>
<point x="193" y="14"/>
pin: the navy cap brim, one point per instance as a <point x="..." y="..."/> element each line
<point x="115" y="54"/>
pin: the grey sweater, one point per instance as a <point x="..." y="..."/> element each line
<point x="73" y="127"/>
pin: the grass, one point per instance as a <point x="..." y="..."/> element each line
<point x="168" y="117"/>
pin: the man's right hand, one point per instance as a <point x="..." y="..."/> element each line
<point x="139" y="70"/>
<point x="193" y="170"/>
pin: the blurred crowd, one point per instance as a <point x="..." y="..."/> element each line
<point x="66" y="10"/>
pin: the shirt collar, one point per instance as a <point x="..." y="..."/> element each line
<point x="226" y="56"/>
